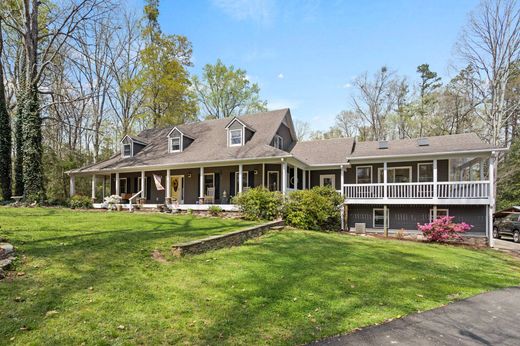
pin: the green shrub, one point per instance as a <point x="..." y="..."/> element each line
<point x="259" y="204"/>
<point x="80" y="202"/>
<point x="215" y="210"/>
<point x="315" y="209"/>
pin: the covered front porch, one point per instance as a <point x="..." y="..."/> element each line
<point x="199" y="187"/>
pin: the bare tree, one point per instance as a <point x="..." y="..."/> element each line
<point x="348" y="122"/>
<point x="303" y="129"/>
<point x="375" y="100"/>
<point x="490" y="44"/>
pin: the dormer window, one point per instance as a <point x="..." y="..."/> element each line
<point x="175" y="144"/>
<point x="235" y="137"/>
<point x="278" y="142"/>
<point x="127" y="150"/>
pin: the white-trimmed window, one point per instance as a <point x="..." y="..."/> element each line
<point x="175" y="144"/>
<point x="328" y="180"/>
<point x="122" y="185"/>
<point x="378" y="218"/>
<point x="363" y="174"/>
<point x="273" y="180"/>
<point x="396" y="174"/>
<point x="127" y="149"/>
<point x="425" y="172"/>
<point x="278" y="142"/>
<point x="235" y="137"/>
<point x="440" y="213"/>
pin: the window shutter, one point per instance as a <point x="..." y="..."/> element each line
<point x="251" y="179"/>
<point x="232" y="184"/>
<point x="136" y="185"/>
<point x="217" y="186"/>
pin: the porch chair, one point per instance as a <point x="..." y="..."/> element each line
<point x="209" y="198"/>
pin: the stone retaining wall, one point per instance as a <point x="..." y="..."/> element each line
<point x="223" y="240"/>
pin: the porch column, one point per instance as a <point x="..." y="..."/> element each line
<point x="104" y="186"/>
<point x="284" y="178"/>
<point x="434" y="182"/>
<point x="168" y="184"/>
<point x="240" y="177"/>
<point x="201" y="185"/>
<point x="143" y="185"/>
<point x="118" y="185"/>
<point x="304" y="177"/>
<point x="491" y="198"/>
<point x="93" y="188"/>
<point x="342" y="180"/>
<point x="263" y="174"/>
<point x="72" y="185"/>
<point x="434" y="216"/>
<point x="295" y="178"/>
<point x="385" y="181"/>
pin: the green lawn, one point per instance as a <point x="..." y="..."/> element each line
<point x="94" y="269"/>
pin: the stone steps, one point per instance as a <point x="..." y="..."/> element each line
<point x="6" y="257"/>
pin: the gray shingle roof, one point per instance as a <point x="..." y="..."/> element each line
<point x="325" y="151"/>
<point x="437" y="144"/>
<point x="210" y="144"/>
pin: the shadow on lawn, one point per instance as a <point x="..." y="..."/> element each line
<point x="340" y="284"/>
<point x="82" y="260"/>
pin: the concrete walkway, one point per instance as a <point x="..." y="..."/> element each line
<point x="487" y="319"/>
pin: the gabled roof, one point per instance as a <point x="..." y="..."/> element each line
<point x="324" y="151"/>
<point x="209" y="144"/>
<point x="181" y="131"/>
<point x="135" y="139"/>
<point x="410" y="147"/>
<point x="241" y="121"/>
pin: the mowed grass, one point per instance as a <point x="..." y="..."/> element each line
<point x="290" y="287"/>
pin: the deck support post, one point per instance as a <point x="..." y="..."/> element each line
<point x="240" y="178"/>
<point x="118" y="185"/>
<point x="284" y="178"/>
<point x="72" y="185"/>
<point x="491" y="199"/>
<point x="93" y="188"/>
<point x="385" y="220"/>
<point x="201" y="185"/>
<point x="434" y="216"/>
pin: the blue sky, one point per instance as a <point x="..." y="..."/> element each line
<point x="304" y="54"/>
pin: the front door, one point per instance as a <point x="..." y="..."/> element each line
<point x="177" y="189"/>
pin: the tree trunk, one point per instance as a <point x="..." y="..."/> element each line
<point x="5" y="135"/>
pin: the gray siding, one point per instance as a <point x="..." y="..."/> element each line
<point x="442" y="170"/>
<point x="315" y="177"/>
<point x="408" y="217"/>
<point x="284" y="132"/>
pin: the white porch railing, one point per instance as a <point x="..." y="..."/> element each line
<point x="445" y="190"/>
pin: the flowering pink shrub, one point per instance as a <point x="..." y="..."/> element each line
<point x="444" y="229"/>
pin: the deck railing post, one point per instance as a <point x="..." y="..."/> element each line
<point x="434" y="180"/>
<point x="385" y="180"/>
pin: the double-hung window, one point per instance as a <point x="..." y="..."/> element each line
<point x="278" y="142"/>
<point x="175" y="144"/>
<point x="425" y="172"/>
<point x="363" y="174"/>
<point x="235" y="137"/>
<point x="127" y="150"/>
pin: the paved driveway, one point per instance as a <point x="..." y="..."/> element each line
<point x="506" y="243"/>
<point x="487" y="319"/>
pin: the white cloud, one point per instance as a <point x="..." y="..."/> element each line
<point x="261" y="11"/>
<point x="280" y="76"/>
<point x="283" y="103"/>
<point x="347" y="86"/>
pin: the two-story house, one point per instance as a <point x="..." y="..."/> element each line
<point x="394" y="184"/>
